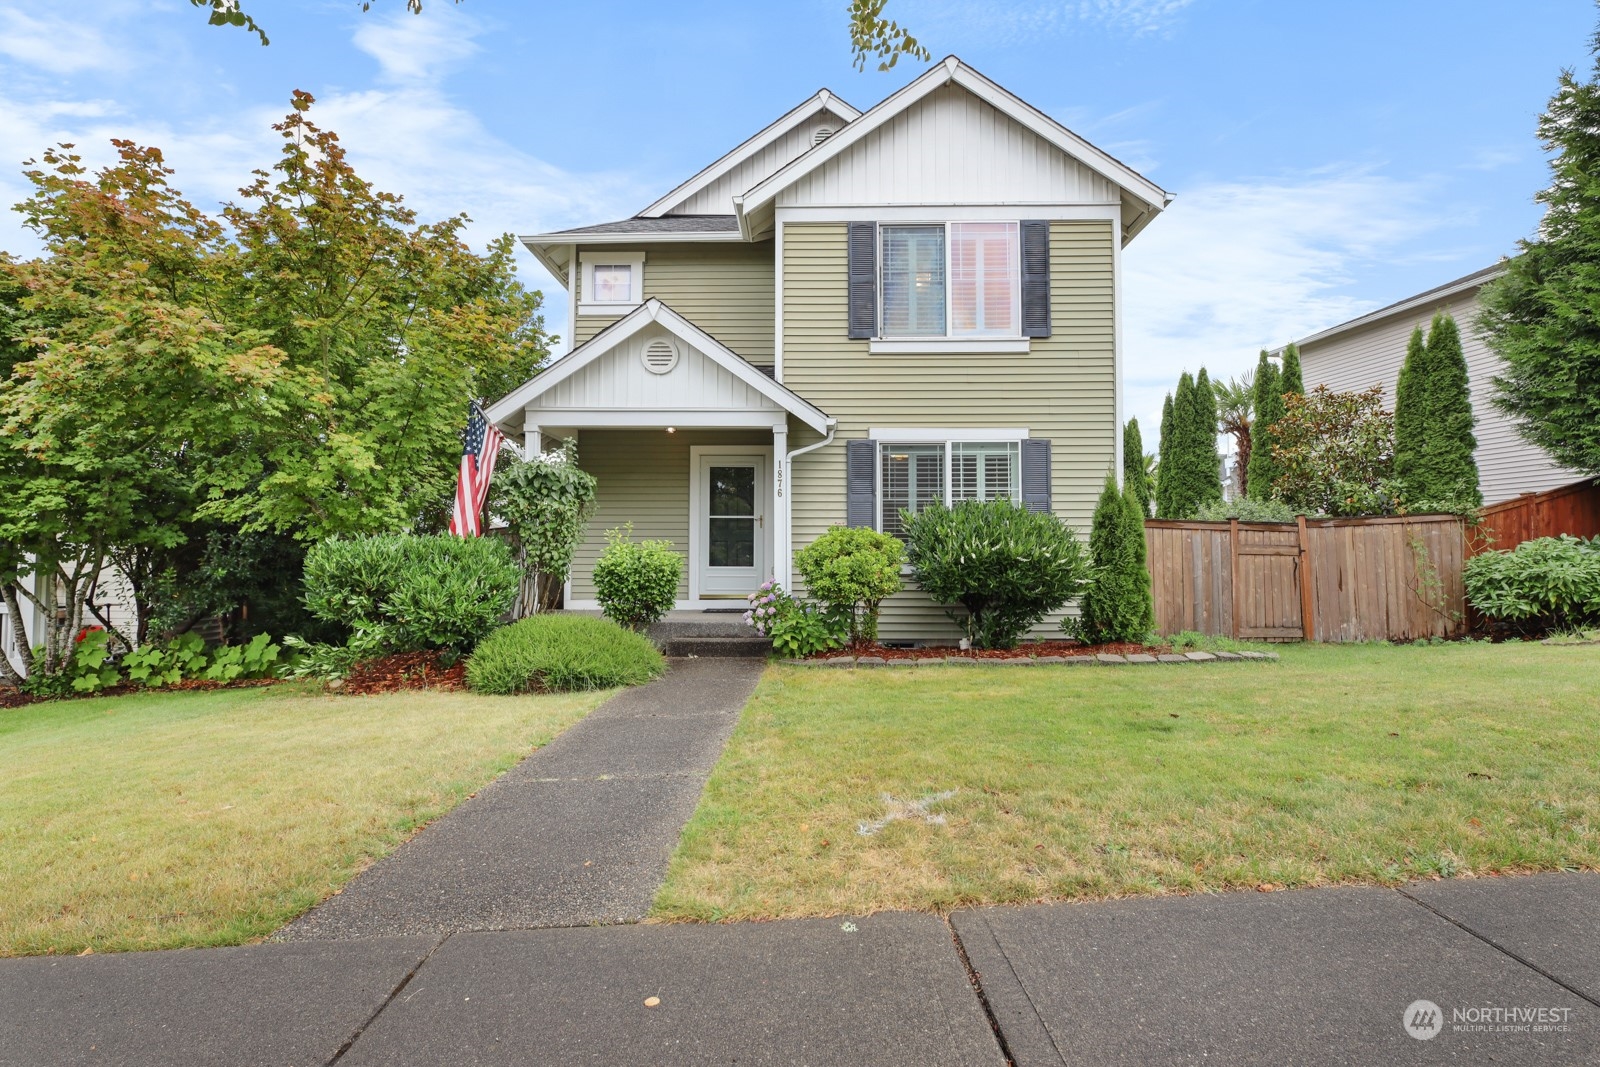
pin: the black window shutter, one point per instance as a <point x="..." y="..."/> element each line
<point x="1036" y="278"/>
<point x="863" y="250"/>
<point x="1036" y="474"/>
<point x="860" y="499"/>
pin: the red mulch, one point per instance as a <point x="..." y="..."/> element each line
<point x="405" y="670"/>
<point x="1027" y="648"/>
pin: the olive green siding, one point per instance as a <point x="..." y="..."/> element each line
<point x="725" y="289"/>
<point x="1063" y="389"/>
<point x="644" y="479"/>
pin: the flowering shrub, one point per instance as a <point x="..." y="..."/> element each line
<point x="797" y="628"/>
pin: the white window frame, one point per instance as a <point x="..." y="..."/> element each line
<point x="949" y="341"/>
<point x="891" y="435"/>
<point x="634" y="261"/>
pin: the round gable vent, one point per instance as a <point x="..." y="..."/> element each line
<point x="660" y="356"/>
<point x="822" y="134"/>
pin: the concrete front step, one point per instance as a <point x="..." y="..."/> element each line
<point x="741" y="647"/>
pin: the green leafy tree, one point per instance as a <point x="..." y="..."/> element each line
<point x="1542" y="316"/>
<point x="1117" y="605"/>
<point x="1434" y="443"/>
<point x="387" y="329"/>
<point x="546" y="502"/>
<point x="1290" y="379"/>
<point x="1410" y="409"/>
<point x="1135" y="476"/>
<point x="1262" y="470"/>
<point x="1336" y="451"/>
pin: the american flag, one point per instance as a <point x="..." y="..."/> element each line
<point x="482" y="446"/>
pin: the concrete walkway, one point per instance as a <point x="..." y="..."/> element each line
<point x="1320" y="976"/>
<point x="578" y="833"/>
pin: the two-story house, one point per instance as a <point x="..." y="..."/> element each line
<point x="849" y="314"/>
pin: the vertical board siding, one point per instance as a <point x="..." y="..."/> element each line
<point x="1572" y="509"/>
<point x="950" y="148"/>
<point x="1063" y="389"/>
<point x="644" y="479"/>
<point x="725" y="289"/>
<point x="619" y="379"/>
<point x="717" y="198"/>
<point x="1385" y="579"/>
<point x="1371" y="355"/>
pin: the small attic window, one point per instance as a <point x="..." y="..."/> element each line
<point x="822" y="134"/>
<point x="660" y="356"/>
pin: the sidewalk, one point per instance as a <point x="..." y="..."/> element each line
<point x="580" y="832"/>
<point x="1319" y="976"/>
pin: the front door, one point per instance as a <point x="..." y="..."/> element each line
<point x="731" y="524"/>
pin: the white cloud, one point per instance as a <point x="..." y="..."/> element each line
<point x="55" y="44"/>
<point x="412" y="48"/>
<point x="1234" y="267"/>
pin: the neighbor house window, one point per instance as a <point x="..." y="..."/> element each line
<point x="958" y="279"/>
<point x="916" y="476"/>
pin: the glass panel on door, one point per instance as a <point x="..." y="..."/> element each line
<point x="731" y="536"/>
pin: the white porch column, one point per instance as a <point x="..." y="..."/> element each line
<point x="532" y="439"/>
<point x="780" y="502"/>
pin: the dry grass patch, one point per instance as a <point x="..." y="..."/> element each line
<point x="177" y="819"/>
<point x="1338" y="764"/>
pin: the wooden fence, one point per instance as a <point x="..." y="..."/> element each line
<point x="1394" y="579"/>
<point x="1572" y="509"/>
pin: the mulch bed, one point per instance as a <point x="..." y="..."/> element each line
<point x="403" y="671"/>
<point x="1027" y="648"/>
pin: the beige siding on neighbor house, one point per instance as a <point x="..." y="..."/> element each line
<point x="950" y="148"/>
<point x="725" y="289"/>
<point x="644" y="479"/>
<point x="1063" y="389"/>
<point x="717" y="198"/>
<point x="1371" y="354"/>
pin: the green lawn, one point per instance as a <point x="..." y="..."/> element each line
<point x="173" y="819"/>
<point x="1338" y="764"/>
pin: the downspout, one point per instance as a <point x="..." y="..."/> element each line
<point x="788" y="498"/>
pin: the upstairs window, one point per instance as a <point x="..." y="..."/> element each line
<point x="612" y="282"/>
<point x="958" y="279"/>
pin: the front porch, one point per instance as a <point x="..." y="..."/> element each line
<point x="689" y="442"/>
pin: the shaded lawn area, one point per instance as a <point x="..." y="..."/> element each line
<point x="178" y="819"/>
<point x="1338" y="764"/>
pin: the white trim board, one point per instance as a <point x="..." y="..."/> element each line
<point x="766" y="527"/>
<point x="653" y="310"/>
<point x="1011" y="211"/>
<point x="918" y="435"/>
<point x="822" y="100"/>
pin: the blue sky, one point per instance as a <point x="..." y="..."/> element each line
<point x="1327" y="158"/>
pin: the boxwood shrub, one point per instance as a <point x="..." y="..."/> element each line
<point x="407" y="594"/>
<point x="562" y="652"/>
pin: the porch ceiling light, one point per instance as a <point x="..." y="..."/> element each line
<point x="672" y="429"/>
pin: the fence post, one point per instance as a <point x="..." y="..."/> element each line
<point x="1233" y="570"/>
<point x="1307" y="625"/>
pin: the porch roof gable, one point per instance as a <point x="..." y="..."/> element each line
<point x="653" y="311"/>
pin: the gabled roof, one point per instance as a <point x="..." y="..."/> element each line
<point x="1426" y="300"/>
<point x="823" y="100"/>
<point x="1149" y="197"/>
<point x="654" y="311"/>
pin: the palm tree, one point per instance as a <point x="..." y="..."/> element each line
<point x="1235" y="409"/>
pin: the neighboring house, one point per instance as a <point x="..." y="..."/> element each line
<point x="1369" y="350"/>
<point x="849" y="314"/>
<point x="111" y="595"/>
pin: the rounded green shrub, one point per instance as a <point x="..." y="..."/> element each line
<point x="1549" y="583"/>
<point x="1006" y="566"/>
<point x="851" y="569"/>
<point x="404" y="593"/>
<point x="636" y="582"/>
<point x="551" y="653"/>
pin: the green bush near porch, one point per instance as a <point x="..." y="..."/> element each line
<point x="559" y="653"/>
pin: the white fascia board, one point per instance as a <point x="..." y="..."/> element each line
<point x="745" y="372"/>
<point x="822" y="100"/>
<point x="652" y="418"/>
<point x="653" y="310"/>
<point x="953" y="70"/>
<point x="1011" y="211"/>
<point x="916" y="435"/>
<point x="542" y="252"/>
<point x="584" y="240"/>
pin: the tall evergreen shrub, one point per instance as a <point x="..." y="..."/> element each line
<point x="1134" y="478"/>
<point x="1163" y="459"/>
<point x="1410" y="414"/>
<point x="1118" y="604"/>
<point x="1264" y="469"/>
<point x="1450" y="472"/>
<point x="1290" y="380"/>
